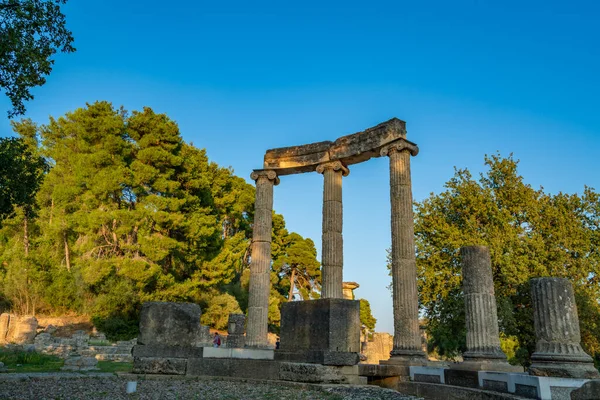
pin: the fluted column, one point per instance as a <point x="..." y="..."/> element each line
<point x="407" y="338"/>
<point x="558" y="349"/>
<point x="260" y="264"/>
<point x="483" y="339"/>
<point x="332" y="249"/>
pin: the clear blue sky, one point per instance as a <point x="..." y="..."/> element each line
<point x="240" y="77"/>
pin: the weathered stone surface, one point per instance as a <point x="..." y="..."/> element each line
<point x="239" y="368"/>
<point x="324" y="357"/>
<point x="310" y="373"/>
<point x="320" y="331"/>
<point x="4" y="322"/>
<point x="162" y="351"/>
<point x="407" y="338"/>
<point x="378" y="348"/>
<point x="169" y="324"/>
<point x="589" y="391"/>
<point x="558" y="340"/>
<point x="235" y="331"/>
<point x="332" y="241"/>
<point x="348" y="289"/>
<point x="165" y="366"/>
<point x="80" y="363"/>
<point x="483" y="339"/>
<point x="349" y="149"/>
<point x="260" y="280"/>
<point x="22" y="329"/>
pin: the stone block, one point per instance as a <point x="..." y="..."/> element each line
<point x="461" y="378"/>
<point x="321" y="331"/>
<point x="170" y="324"/>
<point x="310" y="373"/>
<point x="324" y="357"/>
<point x="165" y="366"/>
<point x="22" y="330"/>
<point x="589" y="391"/>
<point x="209" y="367"/>
<point x="80" y="363"/>
<point x="427" y="374"/>
<point x="161" y="351"/>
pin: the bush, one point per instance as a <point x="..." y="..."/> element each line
<point x="117" y="327"/>
<point x="218" y="310"/>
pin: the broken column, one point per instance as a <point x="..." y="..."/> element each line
<point x="407" y="338"/>
<point x="235" y="331"/>
<point x="558" y="349"/>
<point x="260" y="264"/>
<point x="483" y="339"/>
<point x="332" y="248"/>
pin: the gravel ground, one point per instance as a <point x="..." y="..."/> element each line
<point x="106" y="386"/>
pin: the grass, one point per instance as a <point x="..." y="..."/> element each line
<point x="112" y="366"/>
<point x="29" y="361"/>
<point x="96" y="342"/>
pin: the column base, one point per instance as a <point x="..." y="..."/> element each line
<point x="490" y="365"/>
<point x="407" y="358"/>
<point x="562" y="369"/>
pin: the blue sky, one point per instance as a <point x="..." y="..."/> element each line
<point x="469" y="77"/>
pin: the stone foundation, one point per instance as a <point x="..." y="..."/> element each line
<point x="324" y="331"/>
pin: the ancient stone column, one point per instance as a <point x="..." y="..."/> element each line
<point x="407" y="339"/>
<point x="332" y="259"/>
<point x="558" y="349"/>
<point x="483" y="339"/>
<point x="260" y="263"/>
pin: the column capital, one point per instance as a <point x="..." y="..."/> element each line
<point x="268" y="174"/>
<point x="399" y="146"/>
<point x="334" y="165"/>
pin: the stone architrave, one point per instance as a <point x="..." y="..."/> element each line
<point x="332" y="246"/>
<point x="407" y="339"/>
<point x="260" y="264"/>
<point x="483" y="340"/>
<point x="558" y="349"/>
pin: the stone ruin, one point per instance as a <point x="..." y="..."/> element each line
<point x="320" y="339"/>
<point x="16" y="329"/>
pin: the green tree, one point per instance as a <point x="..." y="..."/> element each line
<point x="297" y="267"/>
<point x="366" y="318"/>
<point x="31" y="32"/>
<point x="530" y="233"/>
<point x="21" y="173"/>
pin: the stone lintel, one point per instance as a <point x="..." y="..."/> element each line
<point x="349" y="149"/>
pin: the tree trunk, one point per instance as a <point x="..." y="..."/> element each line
<point x="26" y="235"/>
<point x="67" y="253"/>
<point x="292" y="279"/>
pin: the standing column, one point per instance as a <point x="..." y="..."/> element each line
<point x="332" y="249"/>
<point x="483" y="339"/>
<point x="407" y="338"/>
<point x="260" y="264"/>
<point x="558" y="349"/>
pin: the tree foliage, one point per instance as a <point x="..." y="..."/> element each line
<point x="21" y="173"/>
<point x="366" y="318"/>
<point x="129" y="213"/>
<point x="530" y="233"/>
<point x="31" y="32"/>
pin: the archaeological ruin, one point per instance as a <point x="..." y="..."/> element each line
<point x="322" y="341"/>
